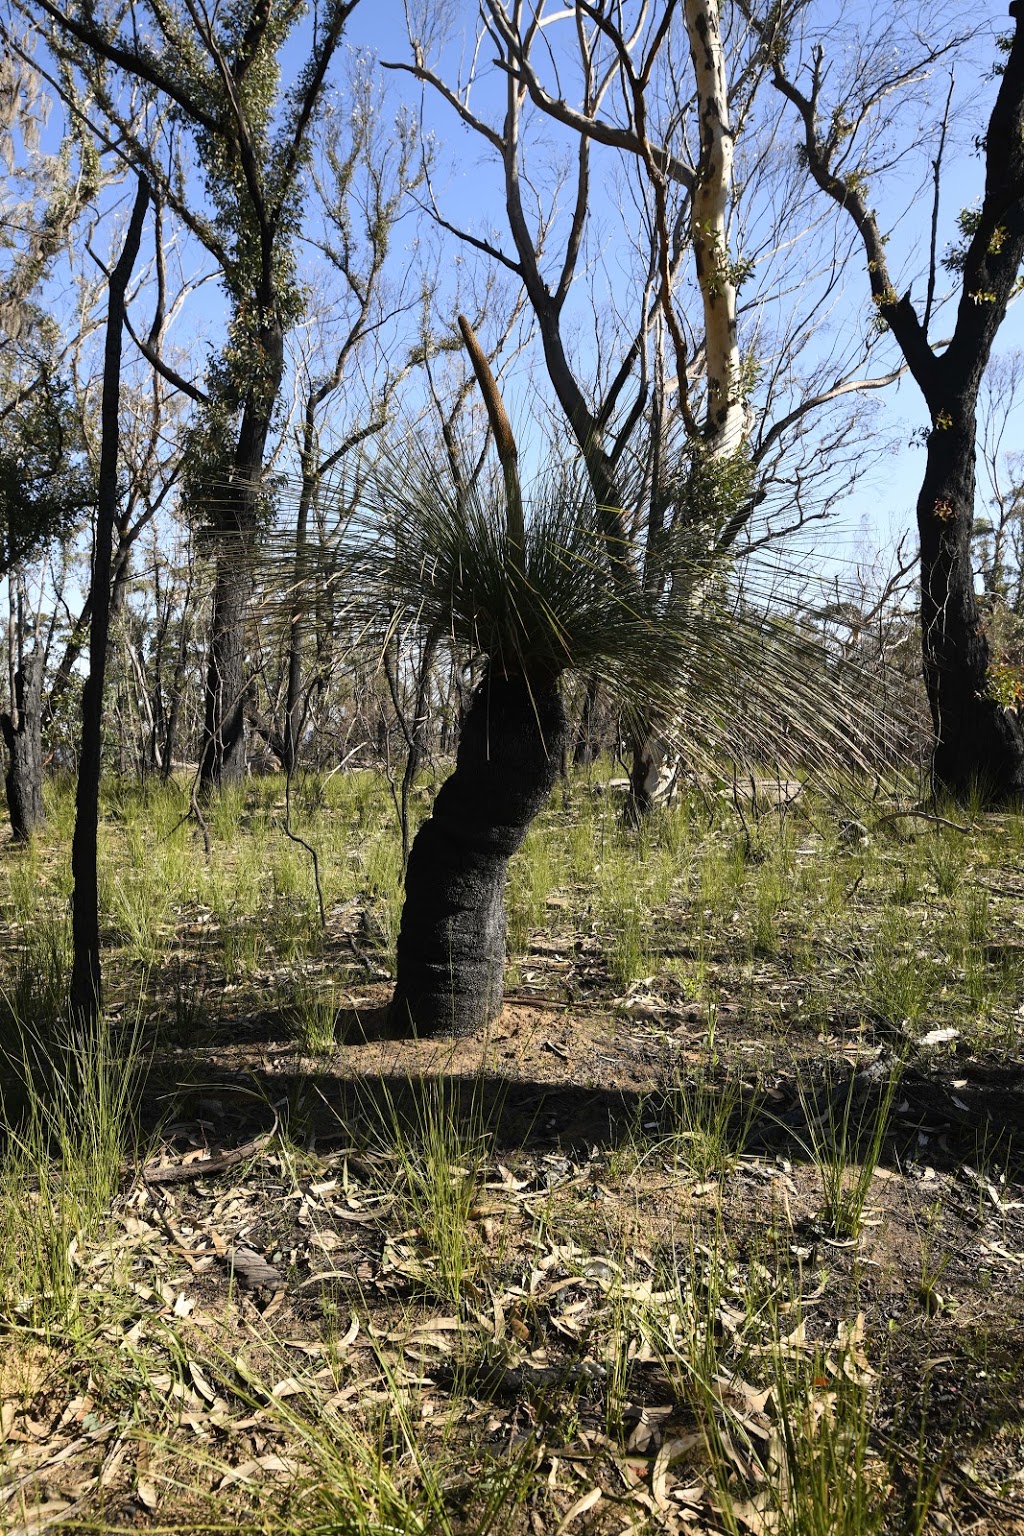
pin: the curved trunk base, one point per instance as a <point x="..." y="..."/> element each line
<point x="451" y="944"/>
<point x="983" y="758"/>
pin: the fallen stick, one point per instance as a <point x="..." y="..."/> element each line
<point x="183" y="1173"/>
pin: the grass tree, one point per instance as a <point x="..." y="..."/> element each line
<point x="525" y="592"/>
<point x="670" y="381"/>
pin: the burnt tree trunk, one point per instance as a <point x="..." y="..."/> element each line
<point x="222" y="754"/>
<point x="979" y="744"/>
<point x="585" y="748"/>
<point x="23" y="736"/>
<point x="295" y="707"/>
<point x="451" y="946"/>
<point x="85" y="923"/>
<point x="222" y="757"/>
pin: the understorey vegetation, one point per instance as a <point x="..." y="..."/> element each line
<point x="718" y="1226"/>
<point x="511" y="955"/>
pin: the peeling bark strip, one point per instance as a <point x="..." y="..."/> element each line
<point x="23" y="736"/>
<point x="451" y="947"/>
<point x="185" y="1173"/>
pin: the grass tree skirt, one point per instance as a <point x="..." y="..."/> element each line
<point x="451" y="945"/>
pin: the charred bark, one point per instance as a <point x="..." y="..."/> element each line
<point x="222" y="759"/>
<point x="85" y="922"/>
<point x="585" y="749"/>
<point x="222" y="756"/>
<point x="23" y="736"/>
<point x="979" y="744"/>
<point x="451" y="947"/>
<point x="295" y="708"/>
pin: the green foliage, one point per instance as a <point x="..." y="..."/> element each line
<point x="221" y="87"/>
<point x="61" y="1161"/>
<point x="1004" y="682"/>
<point x="425" y="552"/>
<point x="45" y="483"/>
<point x="845" y="1133"/>
<point x="474" y="1261"/>
<point x="702" y="491"/>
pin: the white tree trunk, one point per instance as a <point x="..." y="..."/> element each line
<point x="726" y="410"/>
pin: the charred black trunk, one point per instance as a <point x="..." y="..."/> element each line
<point x="979" y="744"/>
<point x="23" y="736"/>
<point x="294" y="710"/>
<point x="222" y="759"/>
<point x="222" y="755"/>
<point x="451" y="947"/>
<point x="85" y="922"/>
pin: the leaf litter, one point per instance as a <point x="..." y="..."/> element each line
<point x="251" y="1299"/>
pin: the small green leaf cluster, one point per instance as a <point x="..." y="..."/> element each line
<point x="968" y="222"/>
<point x="45" y="481"/>
<point x="1005" y="683"/>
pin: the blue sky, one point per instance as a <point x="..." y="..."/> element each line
<point x="881" y="507"/>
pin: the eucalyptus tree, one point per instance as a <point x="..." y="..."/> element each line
<point x="45" y="486"/>
<point x="164" y="80"/>
<point x="44" y="192"/>
<point x="51" y="446"/>
<point x="662" y="122"/>
<point x="978" y="742"/>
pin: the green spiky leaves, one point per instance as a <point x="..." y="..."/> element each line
<point x="711" y="655"/>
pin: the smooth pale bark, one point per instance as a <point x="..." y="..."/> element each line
<point x="653" y="773"/>
<point x="451" y="946"/>
<point x="654" y="764"/>
<point x="86" y="979"/>
<point x="726" y="420"/>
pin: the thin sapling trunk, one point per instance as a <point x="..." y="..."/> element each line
<point x="85" y="930"/>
